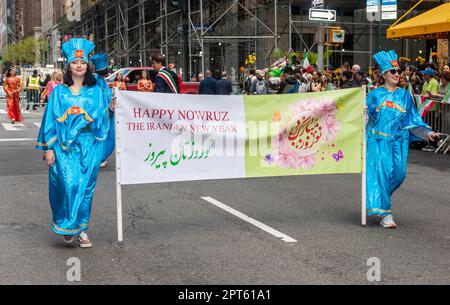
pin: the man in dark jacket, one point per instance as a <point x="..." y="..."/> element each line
<point x="289" y="84"/>
<point x="208" y="85"/>
<point x="224" y="86"/>
<point x="346" y="80"/>
<point x="166" y="81"/>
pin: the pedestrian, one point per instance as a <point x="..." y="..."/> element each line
<point x="208" y="86"/>
<point x="33" y="89"/>
<point x="100" y="62"/>
<point x="43" y="89"/>
<point x="260" y="86"/>
<point x="72" y="134"/>
<point x="145" y="84"/>
<point x="392" y="118"/>
<point x="166" y="81"/>
<point x="224" y="85"/>
<point x="56" y="80"/>
<point x="444" y="89"/>
<point x="12" y="87"/>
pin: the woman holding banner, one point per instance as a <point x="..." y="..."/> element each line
<point x="393" y="119"/>
<point x="73" y="130"/>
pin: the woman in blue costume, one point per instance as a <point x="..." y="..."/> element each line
<point x="73" y="130"/>
<point x="100" y="62"/>
<point x="393" y="120"/>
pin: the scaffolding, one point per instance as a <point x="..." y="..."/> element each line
<point x="195" y="35"/>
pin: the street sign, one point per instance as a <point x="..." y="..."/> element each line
<point x="389" y="5"/>
<point x="322" y="15"/>
<point x="316" y="3"/>
<point x="389" y="15"/>
<point x="389" y="9"/>
<point x="372" y="6"/>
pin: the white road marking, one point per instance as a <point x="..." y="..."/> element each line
<point x="254" y="222"/>
<point x="13" y="127"/>
<point x="3" y="111"/>
<point x="37" y="124"/>
<point x="16" y="140"/>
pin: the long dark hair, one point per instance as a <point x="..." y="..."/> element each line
<point x="8" y="74"/>
<point x="89" y="79"/>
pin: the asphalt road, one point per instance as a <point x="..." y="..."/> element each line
<point x="173" y="236"/>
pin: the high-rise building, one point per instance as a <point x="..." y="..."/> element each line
<point x="28" y="18"/>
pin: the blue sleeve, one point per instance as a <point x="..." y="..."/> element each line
<point x="47" y="137"/>
<point x="414" y="122"/>
<point x="372" y="103"/>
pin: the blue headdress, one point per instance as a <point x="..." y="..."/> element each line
<point x="387" y="60"/>
<point x="100" y="61"/>
<point x="77" y="49"/>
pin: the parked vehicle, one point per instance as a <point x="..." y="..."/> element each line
<point x="131" y="75"/>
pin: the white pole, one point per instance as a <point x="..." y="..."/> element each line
<point x="363" y="174"/>
<point x="118" y="185"/>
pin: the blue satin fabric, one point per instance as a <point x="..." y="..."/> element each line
<point x="75" y="128"/>
<point x="392" y="117"/>
<point x="110" y="142"/>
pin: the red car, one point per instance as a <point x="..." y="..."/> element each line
<point x="132" y="75"/>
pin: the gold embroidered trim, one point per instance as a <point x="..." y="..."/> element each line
<point x="75" y="111"/>
<point x="380" y="133"/>
<point x="48" y="143"/>
<point x="82" y="226"/>
<point x="390" y="104"/>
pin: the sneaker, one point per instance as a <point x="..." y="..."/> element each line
<point x="103" y="165"/>
<point x="429" y="148"/>
<point x="388" y="222"/>
<point x="83" y="241"/>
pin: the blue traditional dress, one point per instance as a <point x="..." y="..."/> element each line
<point x="100" y="62"/>
<point x="393" y="119"/>
<point x="75" y="128"/>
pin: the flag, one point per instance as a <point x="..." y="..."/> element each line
<point x="306" y="63"/>
<point x="423" y="105"/>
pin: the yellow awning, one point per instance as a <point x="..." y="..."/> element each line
<point x="433" y="24"/>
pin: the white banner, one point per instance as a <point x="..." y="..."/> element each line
<point x="162" y="138"/>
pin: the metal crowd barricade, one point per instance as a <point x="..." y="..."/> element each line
<point x="439" y="120"/>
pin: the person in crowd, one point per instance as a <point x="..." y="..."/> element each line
<point x="166" y="81"/>
<point x="33" y="90"/>
<point x="303" y="83"/>
<point x="145" y="84"/>
<point x="392" y="119"/>
<point x="289" y="83"/>
<point x="119" y="82"/>
<point x="402" y="81"/>
<point x="248" y="83"/>
<point x="355" y="70"/>
<point x="261" y="85"/>
<point x="346" y="80"/>
<point x="315" y="82"/>
<point x="224" y="85"/>
<point x="446" y="69"/>
<point x="201" y="77"/>
<point x="444" y="89"/>
<point x="12" y="87"/>
<point x="431" y="85"/>
<point x="72" y="134"/>
<point x="208" y="86"/>
<point x="325" y="84"/>
<point x="171" y="68"/>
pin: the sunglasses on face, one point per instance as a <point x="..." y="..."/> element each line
<point x="394" y="71"/>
